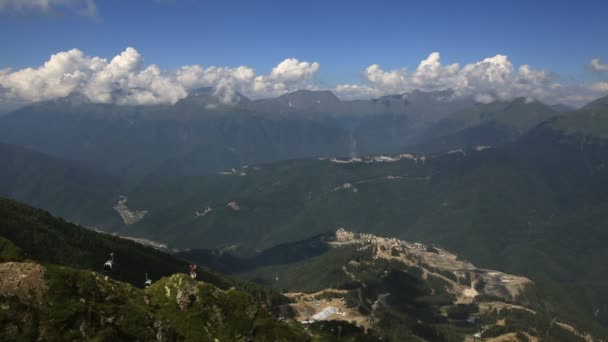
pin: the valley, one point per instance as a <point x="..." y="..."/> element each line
<point x="498" y="203"/>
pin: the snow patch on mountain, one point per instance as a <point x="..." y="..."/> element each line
<point x="346" y="186"/>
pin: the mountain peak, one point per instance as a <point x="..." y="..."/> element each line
<point x="309" y="91"/>
<point x="438" y="94"/>
<point x="591" y="120"/>
<point x="210" y="98"/>
<point x="562" y="108"/>
<point x="601" y="103"/>
<point x="321" y="101"/>
<point x="76" y="98"/>
<point x="312" y="94"/>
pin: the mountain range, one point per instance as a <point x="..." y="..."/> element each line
<point x="516" y="185"/>
<point x="200" y="134"/>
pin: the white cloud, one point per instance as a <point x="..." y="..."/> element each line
<point x="82" y="7"/>
<point x="123" y="80"/>
<point x="58" y="77"/>
<point x="600" y="87"/>
<point x="493" y="78"/>
<point x="484" y="98"/>
<point x="288" y="75"/>
<point x="126" y="80"/>
<point x="292" y="70"/>
<point x="596" y="65"/>
<point x="226" y="81"/>
<point x="385" y="81"/>
<point x="356" y="91"/>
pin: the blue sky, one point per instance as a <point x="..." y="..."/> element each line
<point x="345" y="37"/>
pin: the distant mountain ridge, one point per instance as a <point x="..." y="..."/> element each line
<point x="132" y="145"/>
<point x="65" y="188"/>
<point x="590" y="122"/>
<point x="491" y="124"/>
<point x="202" y="133"/>
<point x="600" y="103"/>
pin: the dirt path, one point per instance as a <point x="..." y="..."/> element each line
<point x="22" y="279"/>
<point x="488" y="306"/>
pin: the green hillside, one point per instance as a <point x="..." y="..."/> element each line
<point x="30" y="233"/>
<point x="55" y="303"/>
<point x="590" y="121"/>
<point x="518" y="114"/>
<point x="492" y="124"/>
<point x="72" y="190"/>
<point x="520" y="208"/>
<point x="45" y="238"/>
<point x="52" y="288"/>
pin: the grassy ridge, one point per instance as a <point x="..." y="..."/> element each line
<point x="53" y="302"/>
<point x="68" y="189"/>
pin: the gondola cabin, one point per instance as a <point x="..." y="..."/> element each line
<point x="109" y="264"/>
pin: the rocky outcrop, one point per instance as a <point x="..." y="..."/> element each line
<point x="24" y="280"/>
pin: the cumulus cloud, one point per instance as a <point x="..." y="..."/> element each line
<point x="493" y="78"/>
<point x="225" y="80"/>
<point x="125" y="79"/>
<point x="122" y="80"/>
<point x="82" y="7"/>
<point x="292" y="70"/>
<point x="596" y="65"/>
<point x="289" y="75"/>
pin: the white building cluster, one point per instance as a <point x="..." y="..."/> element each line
<point x="376" y="159"/>
<point x="344" y="236"/>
